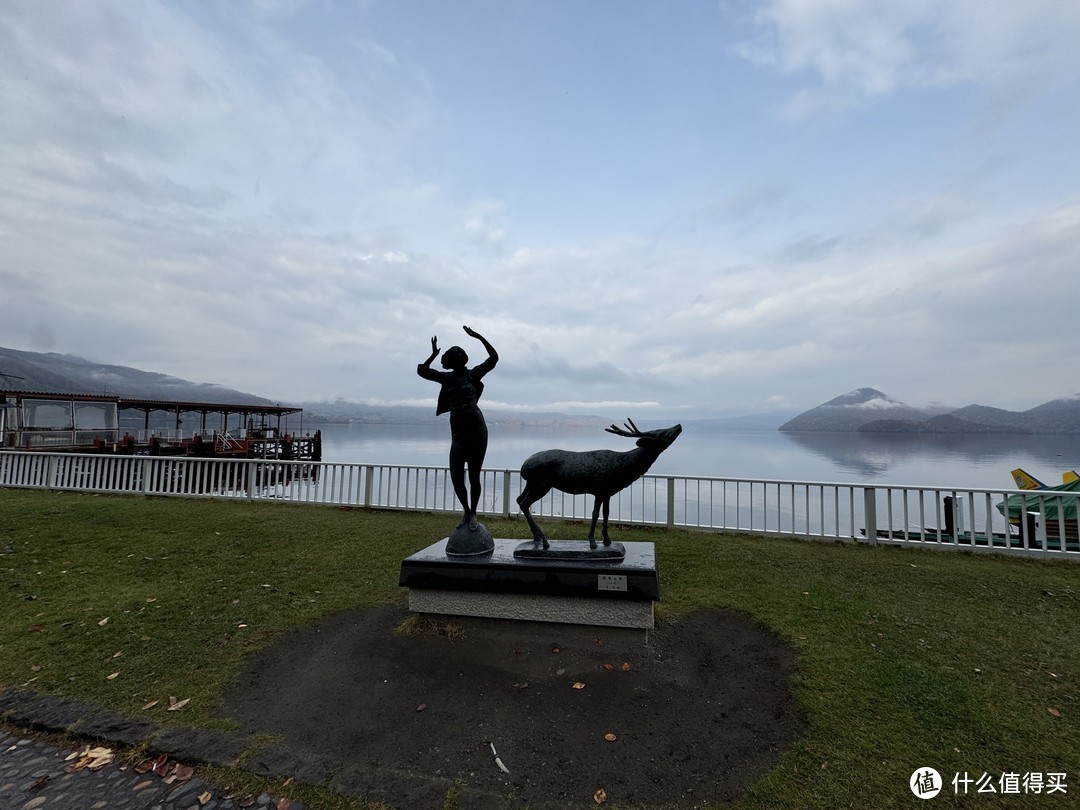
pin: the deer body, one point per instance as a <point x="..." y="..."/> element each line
<point x="600" y="473"/>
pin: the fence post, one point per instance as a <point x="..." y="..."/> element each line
<point x="670" y="502"/>
<point x="506" y="493"/>
<point x="51" y="472"/>
<point x="369" y="480"/>
<point x="870" y="511"/>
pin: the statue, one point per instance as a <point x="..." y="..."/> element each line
<point x="460" y="389"/>
<point x="601" y="473"/>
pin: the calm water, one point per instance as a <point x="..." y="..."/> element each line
<point x="956" y="461"/>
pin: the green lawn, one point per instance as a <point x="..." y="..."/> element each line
<point x="908" y="658"/>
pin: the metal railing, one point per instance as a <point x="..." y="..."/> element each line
<point x="1033" y="522"/>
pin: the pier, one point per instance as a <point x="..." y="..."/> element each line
<point x="35" y="421"/>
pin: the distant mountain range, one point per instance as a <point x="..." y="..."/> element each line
<point x="865" y="409"/>
<point x="868" y="410"/>
<point x="68" y="374"/>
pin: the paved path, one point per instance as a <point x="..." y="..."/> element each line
<point x="32" y="776"/>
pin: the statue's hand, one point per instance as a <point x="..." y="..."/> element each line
<point x="434" y="345"/>
<point x="470" y="332"/>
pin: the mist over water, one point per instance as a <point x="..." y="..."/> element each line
<point x="918" y="460"/>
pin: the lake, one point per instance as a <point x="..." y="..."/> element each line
<point x="897" y="459"/>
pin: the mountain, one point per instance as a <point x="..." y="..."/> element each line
<point x="341" y="411"/>
<point x="1057" y="416"/>
<point x="770" y="420"/>
<point x="867" y="410"/>
<point x="943" y="423"/>
<point x="68" y="374"/>
<point x="985" y="415"/>
<point x="853" y="410"/>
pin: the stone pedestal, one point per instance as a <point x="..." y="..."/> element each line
<point x="562" y="588"/>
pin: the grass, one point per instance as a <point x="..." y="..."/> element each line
<point x="908" y="658"/>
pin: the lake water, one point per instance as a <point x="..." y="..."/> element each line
<point x="928" y="460"/>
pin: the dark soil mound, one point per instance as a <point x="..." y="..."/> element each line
<point x="699" y="708"/>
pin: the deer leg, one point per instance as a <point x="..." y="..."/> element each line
<point x="526" y="499"/>
<point x="607" y="511"/>
<point x="592" y="526"/>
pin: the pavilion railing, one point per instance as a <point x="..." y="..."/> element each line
<point x="1039" y="522"/>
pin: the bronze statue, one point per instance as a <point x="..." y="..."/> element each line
<point x="460" y="390"/>
<point x="600" y="473"/>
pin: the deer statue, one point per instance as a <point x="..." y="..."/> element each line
<point x="600" y="473"/>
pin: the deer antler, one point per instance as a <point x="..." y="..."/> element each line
<point x="630" y="430"/>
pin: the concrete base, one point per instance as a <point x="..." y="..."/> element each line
<point x="549" y="588"/>
<point x="534" y="607"/>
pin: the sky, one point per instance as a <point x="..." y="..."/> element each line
<point x="650" y="209"/>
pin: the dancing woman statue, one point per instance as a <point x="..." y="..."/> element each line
<point x="461" y="387"/>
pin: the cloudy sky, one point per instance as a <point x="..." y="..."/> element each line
<point x="705" y="207"/>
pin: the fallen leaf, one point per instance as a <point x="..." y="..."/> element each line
<point x="599" y="642"/>
<point x="35" y="628"/>
<point x="578" y="685"/>
<point x="609" y="667"/>
<point x="421" y="707"/>
<point x="91" y="759"/>
<point x="288" y="781"/>
<point x="35" y="668"/>
<point x="555" y="649"/>
<point x="610" y="737"/>
<point x="145" y="766"/>
<point x="205" y="797"/>
<point x="176" y="705"/>
<point x="284" y="804"/>
<point x="600" y="796"/>
<point x="151" y="705"/>
<point x="103" y="622"/>
<point x="39" y="783"/>
<point x="112" y="677"/>
<point x="626" y="667"/>
<point x="152" y="599"/>
<point x="184" y="772"/>
<point x="1054" y="712"/>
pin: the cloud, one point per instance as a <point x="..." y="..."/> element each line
<point x="857" y="50"/>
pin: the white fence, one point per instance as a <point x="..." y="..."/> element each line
<point x="970" y="519"/>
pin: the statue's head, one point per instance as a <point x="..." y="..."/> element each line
<point x="455" y="358"/>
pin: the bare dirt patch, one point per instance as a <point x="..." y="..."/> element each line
<point x="690" y="713"/>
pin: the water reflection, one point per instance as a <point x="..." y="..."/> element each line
<point x="936" y="458"/>
<point x="928" y="460"/>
